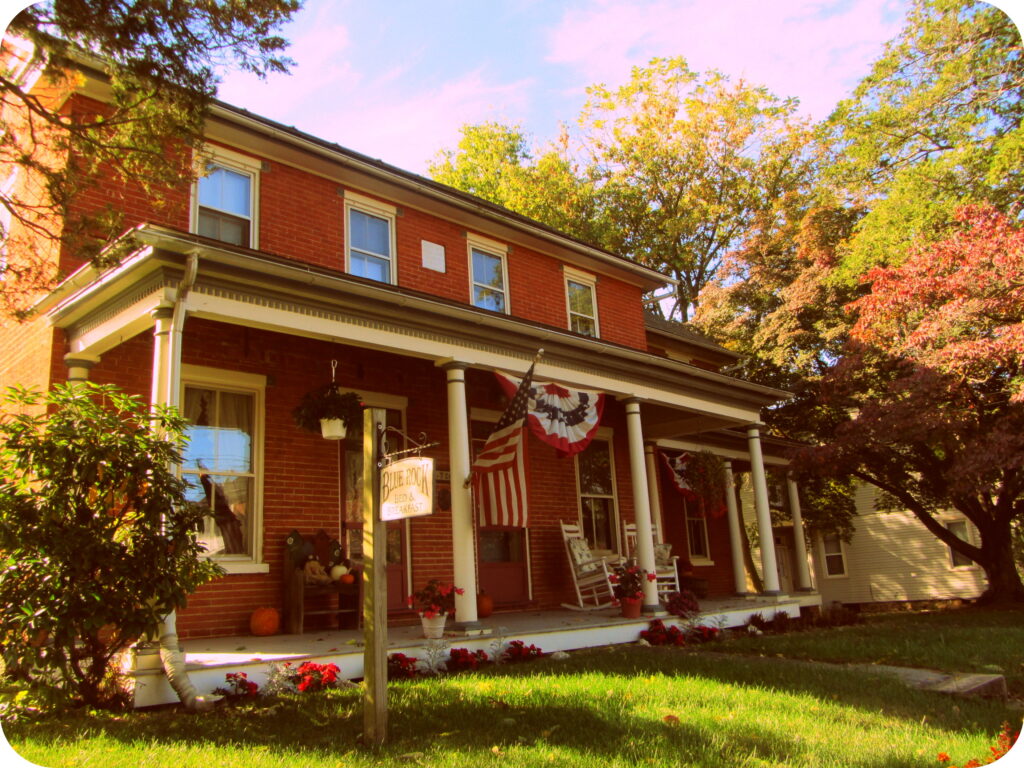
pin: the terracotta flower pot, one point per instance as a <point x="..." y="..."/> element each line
<point x="631" y="607"/>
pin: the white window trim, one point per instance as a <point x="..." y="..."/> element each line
<point x="255" y="384"/>
<point x="583" y="278"/>
<point x="972" y="566"/>
<point x="606" y="434"/>
<point x="491" y="248"/>
<point x="380" y="209"/>
<point x="824" y="562"/>
<point x="233" y="161"/>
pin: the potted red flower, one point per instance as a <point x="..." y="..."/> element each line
<point x="628" y="587"/>
<point x="433" y="603"/>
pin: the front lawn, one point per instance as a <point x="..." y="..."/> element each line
<point x="962" y="640"/>
<point x="620" y="706"/>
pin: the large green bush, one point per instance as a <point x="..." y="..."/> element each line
<point x="97" y="542"/>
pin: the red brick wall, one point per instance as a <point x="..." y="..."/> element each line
<point x="301" y="470"/>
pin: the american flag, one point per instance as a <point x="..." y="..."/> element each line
<point x="499" y="476"/>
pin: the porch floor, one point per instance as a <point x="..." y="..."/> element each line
<point x="209" y="659"/>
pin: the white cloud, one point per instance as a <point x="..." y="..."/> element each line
<point x="810" y="49"/>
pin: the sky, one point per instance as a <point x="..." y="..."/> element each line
<point x="397" y="80"/>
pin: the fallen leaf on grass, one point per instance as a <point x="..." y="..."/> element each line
<point x="497" y="751"/>
<point x="547" y="734"/>
<point x="671" y="719"/>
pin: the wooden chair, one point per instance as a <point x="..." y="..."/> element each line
<point x="298" y="550"/>
<point x="664" y="562"/>
<point x="590" y="574"/>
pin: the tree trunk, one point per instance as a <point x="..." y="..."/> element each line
<point x="1004" y="583"/>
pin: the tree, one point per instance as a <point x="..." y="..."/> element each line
<point x="159" y="60"/>
<point x="98" y="542"/>
<point x="931" y="390"/>
<point x="674" y="167"/>
<point x="934" y="126"/>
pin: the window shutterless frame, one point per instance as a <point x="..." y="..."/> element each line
<point x="488" y="274"/>
<point x="370" y="238"/>
<point x="597" y="493"/>
<point x="229" y="469"/>
<point x="833" y="556"/>
<point x="581" y="302"/>
<point x="225" y="197"/>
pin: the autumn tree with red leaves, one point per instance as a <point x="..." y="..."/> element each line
<point x="931" y="385"/>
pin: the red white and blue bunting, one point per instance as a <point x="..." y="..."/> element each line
<point x="566" y="419"/>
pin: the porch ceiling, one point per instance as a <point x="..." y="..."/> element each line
<point x="242" y="287"/>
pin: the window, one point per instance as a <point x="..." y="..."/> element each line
<point x="697" y="536"/>
<point x="370" y="238"/>
<point x="835" y="558"/>
<point x="597" y="495"/>
<point x="222" y="460"/>
<point x="581" y="302"/>
<point x="959" y="529"/>
<point x="225" y="197"/>
<point x="488" y="281"/>
<point x="488" y="274"/>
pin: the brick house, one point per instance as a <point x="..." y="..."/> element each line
<point x="293" y="252"/>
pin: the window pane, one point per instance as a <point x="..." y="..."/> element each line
<point x="487" y="270"/>
<point x="369" y="233"/>
<point x="959" y="529"/>
<point x="834" y="565"/>
<point x="370" y="267"/>
<point x="597" y="523"/>
<point x="583" y="325"/>
<point x="226" y="191"/>
<point x="227" y="530"/>
<point x="595" y="465"/>
<point x="221" y="226"/>
<point x="696" y="534"/>
<point x="485" y="298"/>
<point x="581" y="299"/>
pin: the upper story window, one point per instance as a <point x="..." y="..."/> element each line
<point x="488" y="274"/>
<point x="370" y="241"/>
<point x="581" y="302"/>
<point x="225" y="197"/>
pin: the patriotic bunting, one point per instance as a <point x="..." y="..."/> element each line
<point x="677" y="471"/>
<point x="563" y="418"/>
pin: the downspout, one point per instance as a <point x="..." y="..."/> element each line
<point x="171" y="657"/>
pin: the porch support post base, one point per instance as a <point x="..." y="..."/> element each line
<point x="468" y="629"/>
<point x="772" y="593"/>
<point x="653" y="610"/>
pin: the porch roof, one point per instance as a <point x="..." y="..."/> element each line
<point x="99" y="310"/>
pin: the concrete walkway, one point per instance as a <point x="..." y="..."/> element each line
<point x="961" y="683"/>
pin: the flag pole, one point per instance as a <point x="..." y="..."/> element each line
<point x="536" y="359"/>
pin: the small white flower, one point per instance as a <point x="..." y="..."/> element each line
<point x="559" y="655"/>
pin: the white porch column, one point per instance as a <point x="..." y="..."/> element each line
<point x="739" y="575"/>
<point x="463" y="549"/>
<point x="641" y="502"/>
<point x="769" y="565"/>
<point x="654" y="492"/>
<point x="803" y="576"/>
<point x="79" y="366"/>
<point x="161" y="348"/>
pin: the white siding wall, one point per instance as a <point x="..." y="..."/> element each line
<point x="891" y="557"/>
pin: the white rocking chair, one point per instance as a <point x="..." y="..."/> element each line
<point x="590" y="575"/>
<point x="664" y="562"/>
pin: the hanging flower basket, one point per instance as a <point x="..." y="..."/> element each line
<point x="704" y="473"/>
<point x="329" y="412"/>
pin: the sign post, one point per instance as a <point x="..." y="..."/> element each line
<point x="375" y="602"/>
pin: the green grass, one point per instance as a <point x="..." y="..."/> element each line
<point x="605" y="708"/>
<point x="963" y="640"/>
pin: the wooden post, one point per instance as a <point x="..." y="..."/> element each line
<point x="375" y="598"/>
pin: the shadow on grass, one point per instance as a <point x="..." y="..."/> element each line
<point x="472" y="714"/>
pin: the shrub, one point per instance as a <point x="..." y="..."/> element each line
<point x="462" y="659"/>
<point x="401" y="667"/>
<point x="658" y="634"/>
<point x="683" y="604"/>
<point x="517" y="651"/>
<point x="98" y="543"/>
<point x="1004" y="742"/>
<point x="311" y="677"/>
<point x="238" y="685"/>
<point x="702" y="633"/>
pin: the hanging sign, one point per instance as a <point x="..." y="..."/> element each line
<point x="407" y="488"/>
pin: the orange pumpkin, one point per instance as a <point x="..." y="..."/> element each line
<point x="484" y="605"/>
<point x="347" y="578"/>
<point x="265" y="621"/>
